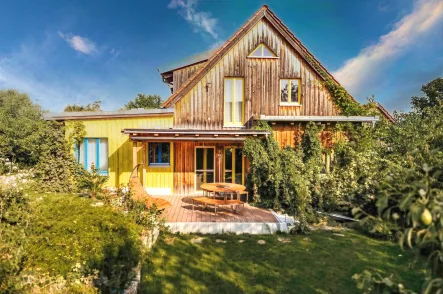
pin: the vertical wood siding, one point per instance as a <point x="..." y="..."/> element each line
<point x="202" y="106"/>
<point x="120" y="148"/>
<point x="181" y="75"/>
<point x="291" y="135"/>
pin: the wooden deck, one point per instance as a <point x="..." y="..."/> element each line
<point x="181" y="212"/>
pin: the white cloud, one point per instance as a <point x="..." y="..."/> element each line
<point x="33" y="68"/>
<point x="80" y="44"/>
<point x="372" y="61"/>
<point x="200" y="20"/>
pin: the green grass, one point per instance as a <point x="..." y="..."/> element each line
<point x="320" y="262"/>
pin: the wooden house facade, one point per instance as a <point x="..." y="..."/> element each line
<point x="263" y="72"/>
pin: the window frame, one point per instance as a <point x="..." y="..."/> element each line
<point x="290" y="102"/>
<point x="261" y="45"/>
<point x="162" y="164"/>
<point x="97" y="154"/>
<point x="233" y="164"/>
<point x="233" y="123"/>
<point x="205" y="165"/>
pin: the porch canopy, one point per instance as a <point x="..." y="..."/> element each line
<point x="276" y="118"/>
<point x="154" y="135"/>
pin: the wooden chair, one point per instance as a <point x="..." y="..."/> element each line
<point x="138" y="193"/>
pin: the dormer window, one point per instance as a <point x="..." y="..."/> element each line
<point x="262" y="51"/>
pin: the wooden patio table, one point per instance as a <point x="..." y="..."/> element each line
<point x="224" y="188"/>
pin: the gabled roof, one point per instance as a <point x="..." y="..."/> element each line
<point x="194" y="59"/>
<point x="263" y="13"/>
<point x="84" y="115"/>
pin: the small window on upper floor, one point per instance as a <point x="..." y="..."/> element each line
<point x="262" y="51"/>
<point x="290" y="93"/>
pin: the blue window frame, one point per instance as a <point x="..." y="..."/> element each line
<point x="92" y="153"/>
<point x="159" y="153"/>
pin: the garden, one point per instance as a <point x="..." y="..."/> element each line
<point x="61" y="232"/>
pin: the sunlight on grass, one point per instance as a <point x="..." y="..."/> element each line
<point x="316" y="263"/>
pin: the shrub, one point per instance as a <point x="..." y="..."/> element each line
<point x="68" y="233"/>
<point x="93" y="182"/>
<point x="14" y="209"/>
<point x="57" y="170"/>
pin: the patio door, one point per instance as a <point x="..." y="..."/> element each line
<point x="204" y="166"/>
<point x="234" y="165"/>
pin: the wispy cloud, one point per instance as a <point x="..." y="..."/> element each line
<point x="34" y="68"/>
<point x="79" y="43"/>
<point x="372" y="61"/>
<point x="201" y="21"/>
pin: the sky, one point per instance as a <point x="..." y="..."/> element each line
<point x="75" y="52"/>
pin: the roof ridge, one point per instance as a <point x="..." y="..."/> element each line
<point x="305" y="54"/>
<point x="215" y="54"/>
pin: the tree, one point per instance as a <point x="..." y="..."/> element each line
<point x="434" y="95"/>
<point x="409" y="197"/>
<point x="94" y="106"/>
<point x="20" y="124"/>
<point x="145" y="101"/>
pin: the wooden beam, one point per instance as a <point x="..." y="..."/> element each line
<point x="190" y="139"/>
<point x="338" y="118"/>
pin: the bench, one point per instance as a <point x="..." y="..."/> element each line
<point x="216" y="202"/>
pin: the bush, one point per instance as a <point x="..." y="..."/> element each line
<point x="14" y="216"/>
<point x="92" y="182"/>
<point x="70" y="236"/>
<point x="57" y="170"/>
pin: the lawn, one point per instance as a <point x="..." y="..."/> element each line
<point x="320" y="262"/>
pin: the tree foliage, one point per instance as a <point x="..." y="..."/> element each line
<point x="20" y="128"/>
<point x="56" y="170"/>
<point x="434" y="95"/>
<point x="94" y="106"/>
<point x="146" y="101"/>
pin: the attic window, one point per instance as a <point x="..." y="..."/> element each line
<point x="262" y="51"/>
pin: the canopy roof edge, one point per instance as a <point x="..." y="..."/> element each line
<point x="276" y="118"/>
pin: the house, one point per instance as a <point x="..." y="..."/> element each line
<point x="263" y="72"/>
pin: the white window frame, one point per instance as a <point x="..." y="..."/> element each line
<point x="234" y="123"/>
<point x="260" y="47"/>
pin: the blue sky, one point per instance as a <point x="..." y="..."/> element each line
<point x="64" y="52"/>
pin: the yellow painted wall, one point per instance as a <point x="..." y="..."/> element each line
<point x="120" y="149"/>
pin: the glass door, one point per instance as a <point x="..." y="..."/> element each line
<point x="204" y="166"/>
<point x="233" y="165"/>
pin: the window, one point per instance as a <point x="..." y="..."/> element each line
<point x="262" y="51"/>
<point x="92" y="153"/>
<point x="289" y="92"/>
<point x="204" y="166"/>
<point x="233" y="165"/>
<point x="159" y="153"/>
<point x="233" y="107"/>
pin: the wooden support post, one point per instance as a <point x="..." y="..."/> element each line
<point x="144" y="164"/>
<point x="134" y="154"/>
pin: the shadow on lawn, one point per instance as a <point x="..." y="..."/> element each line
<point x="317" y="263"/>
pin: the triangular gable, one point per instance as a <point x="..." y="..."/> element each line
<point x="263" y="12"/>
<point x="262" y="51"/>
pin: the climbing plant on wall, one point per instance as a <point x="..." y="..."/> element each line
<point x="341" y="98"/>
